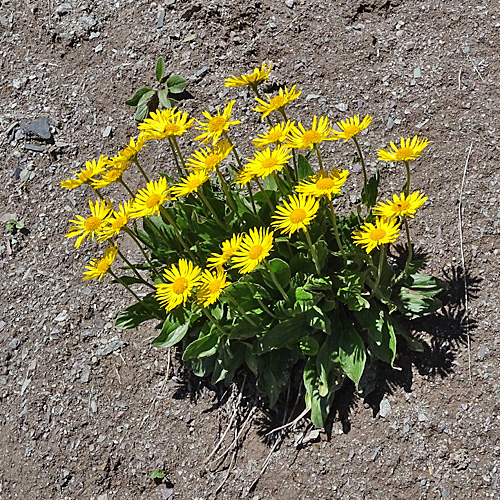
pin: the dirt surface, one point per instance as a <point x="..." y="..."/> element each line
<point x="89" y="412"/>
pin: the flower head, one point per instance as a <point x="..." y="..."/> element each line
<point x="410" y="150"/>
<point x="245" y="175"/>
<point x="97" y="268"/>
<point x="166" y="123"/>
<point x="107" y="178"/>
<point x="116" y="222"/>
<point x="323" y="183"/>
<point x="277" y="134"/>
<point x="228" y="247"/>
<point x="320" y="131"/>
<point x="278" y="102"/>
<point x="85" y="176"/>
<point x="180" y="281"/>
<point x="90" y="226"/>
<point x="216" y="125"/>
<point x="211" y="286"/>
<point x="267" y="161"/>
<point x="351" y="127"/>
<point x="149" y="200"/>
<point x="297" y="213"/>
<point x="207" y="159"/>
<point x="259" y="75"/>
<point x="254" y="248"/>
<point x="190" y="184"/>
<point x="369" y="236"/>
<point x="124" y="158"/>
<point x="406" y="205"/>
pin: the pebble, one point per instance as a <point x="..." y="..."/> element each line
<point x="107" y="131"/>
<point x="417" y="73"/>
<point x="40" y="128"/>
<point x="481" y="352"/>
<point x="377" y="451"/>
<point x="410" y="45"/>
<point x="14" y="343"/>
<point x="62" y="316"/>
<point x="84" y="377"/>
<point x="111" y="347"/>
<point x="201" y="72"/>
<point x="96" y="50"/>
<point x="422" y="417"/>
<point x="341" y="106"/>
<point x="385" y="408"/>
<point x="289" y="3"/>
<point x="64" y="8"/>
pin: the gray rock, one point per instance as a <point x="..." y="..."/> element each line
<point x="34" y="147"/>
<point x="111" y="347"/>
<point x="481" y="352"/>
<point x="39" y="127"/>
<point x="410" y="45"/>
<point x="64" y="8"/>
<point x="385" y="408"/>
<point x="107" y="131"/>
<point x="201" y="72"/>
<point x="62" y="316"/>
<point x="422" y="417"/>
<point x="14" y="343"/>
<point x="84" y="377"/>
<point x="289" y="3"/>
<point x="19" y="83"/>
<point x="341" y="106"/>
<point x="88" y="22"/>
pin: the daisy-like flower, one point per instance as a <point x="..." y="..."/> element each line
<point x="118" y="220"/>
<point x="259" y="75"/>
<point x="189" y="184"/>
<point x="166" y="123"/>
<point x="97" y="268"/>
<point x="90" y="226"/>
<point x="124" y="158"/>
<point x="370" y="236"/>
<point x="351" y="127"/>
<point x="410" y="150"/>
<point x="108" y="177"/>
<point x="278" y="102"/>
<point x="207" y="159"/>
<point x="320" y="131"/>
<point x="254" y="248"/>
<point x="244" y="176"/>
<point x="181" y="280"/>
<point x="91" y="170"/>
<point x="323" y="183"/>
<point x="149" y="200"/>
<point x="406" y="205"/>
<point x="277" y="134"/>
<point x="267" y="161"/>
<point x="211" y="286"/>
<point x="297" y="213"/>
<point x="216" y="125"/>
<point x="228" y="247"/>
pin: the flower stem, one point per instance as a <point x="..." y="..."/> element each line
<point x="259" y="300"/>
<point x="174" y="153"/>
<point x="209" y="315"/>
<point x="227" y="192"/>
<point x="380" y="265"/>
<point x="240" y="309"/>
<point x="236" y="155"/>
<point x="313" y="252"/>
<point x="275" y="280"/>
<point x="176" y="144"/>
<point x="362" y="160"/>
<point x="122" y="182"/>
<point x="178" y="232"/>
<point x="136" y="161"/>
<point x="335" y="227"/>
<point x="249" y="187"/>
<point x="265" y="194"/>
<point x="280" y="189"/>
<point x="407" y="186"/>
<point x="138" y="243"/>
<point x="320" y="160"/>
<point x="410" y="248"/>
<point x="210" y="208"/>
<point x="134" y="270"/>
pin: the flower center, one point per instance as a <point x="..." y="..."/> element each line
<point x="193" y="184"/>
<point x="227" y="254"/>
<point x="404" y="154"/>
<point x="114" y="174"/>
<point x="275" y="136"/>
<point x="214" y="287"/>
<point x="325" y="184"/>
<point x="311" y="137"/>
<point x="92" y="224"/>
<point x="153" y="200"/>
<point x="211" y="161"/>
<point x="217" y="124"/>
<point x="350" y="131"/>
<point x="269" y="163"/>
<point x="171" y="129"/>
<point x="401" y="206"/>
<point x="180" y="285"/>
<point x="277" y="102"/>
<point x="297" y="216"/>
<point x="255" y="252"/>
<point x="378" y="234"/>
<point x="119" y="222"/>
<point x="103" y="266"/>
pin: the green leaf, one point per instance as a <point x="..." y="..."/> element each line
<point x="290" y="330"/>
<point x="138" y="313"/>
<point x="171" y="334"/>
<point x="240" y="292"/>
<point x="369" y="193"/>
<point x="147" y="103"/>
<point x="270" y="184"/>
<point x="134" y="101"/>
<point x="304" y="168"/>
<point x="202" y="347"/>
<point x="156" y="474"/>
<point x="322" y="251"/>
<point x="244" y="330"/>
<point x="176" y="84"/>
<point x="304" y="300"/>
<point x="282" y="271"/>
<point x="160" y="68"/>
<point x="128" y="280"/>
<point x="164" y="99"/>
<point x="309" y="346"/>
<point x="352" y="353"/>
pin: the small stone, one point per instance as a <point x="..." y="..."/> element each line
<point x="161" y="18"/>
<point x="377" y="451"/>
<point x="62" y="316"/>
<point x="99" y="49"/>
<point x="417" y="73"/>
<point x="341" y="106"/>
<point x="289" y="3"/>
<point x="481" y="352"/>
<point x="410" y="45"/>
<point x="14" y="343"/>
<point x="107" y="131"/>
<point x="312" y="96"/>
<point x="201" y="72"/>
<point x="87" y="21"/>
<point x="64" y="8"/>
<point x="35" y="148"/>
<point x="94" y="34"/>
<point x="422" y="417"/>
<point x="385" y="408"/>
<point x="111" y="347"/>
<point x="390" y="123"/>
<point x="39" y="127"/>
<point x="93" y="406"/>
<point x="445" y="494"/>
<point x="84" y="377"/>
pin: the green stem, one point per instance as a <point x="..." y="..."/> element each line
<point x="410" y="248"/>
<point x="275" y="280"/>
<point x="134" y="270"/>
<point x="122" y="182"/>
<point x="152" y="311"/>
<point x="261" y="304"/>
<point x="280" y="189"/>
<point x="236" y="155"/>
<point x="295" y="170"/>
<point x="313" y="251"/>
<point x="136" y="161"/>
<point x="138" y="243"/>
<point x="178" y="232"/>
<point x="379" y="275"/>
<point x="240" y="309"/>
<point x="265" y="193"/>
<point x="176" y="144"/>
<point x="335" y="227"/>
<point x="407" y="186"/>
<point x="209" y="315"/>
<point x="174" y="153"/>
<point x="210" y="208"/>
<point x="249" y="187"/>
<point x="320" y="160"/>
<point x="226" y="190"/>
<point x="362" y="160"/>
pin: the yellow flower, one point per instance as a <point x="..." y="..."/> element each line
<point x="369" y="236"/>
<point x="266" y="162"/>
<point x="410" y="150"/>
<point x="323" y="184"/>
<point x="90" y="226"/>
<point x="351" y="127"/>
<point x="208" y="159"/>
<point x="108" y="178"/>
<point x="118" y="219"/>
<point x="297" y="213"/>
<point x="254" y="248"/>
<point x="124" y="158"/>
<point x="97" y="268"/>
<point x="189" y="184"/>
<point x="259" y="75"/>
<point x="277" y="134"/>
<point x="302" y="139"/>
<point x="244" y="176"/>
<point x="181" y="280"/>
<point x="228" y="247"/>
<point x="91" y="170"/>
<point x="166" y="123"/>
<point x="406" y="205"/>
<point x="278" y="102"/>
<point x="149" y="200"/>
<point x="216" y="125"/>
<point x="211" y="286"/>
